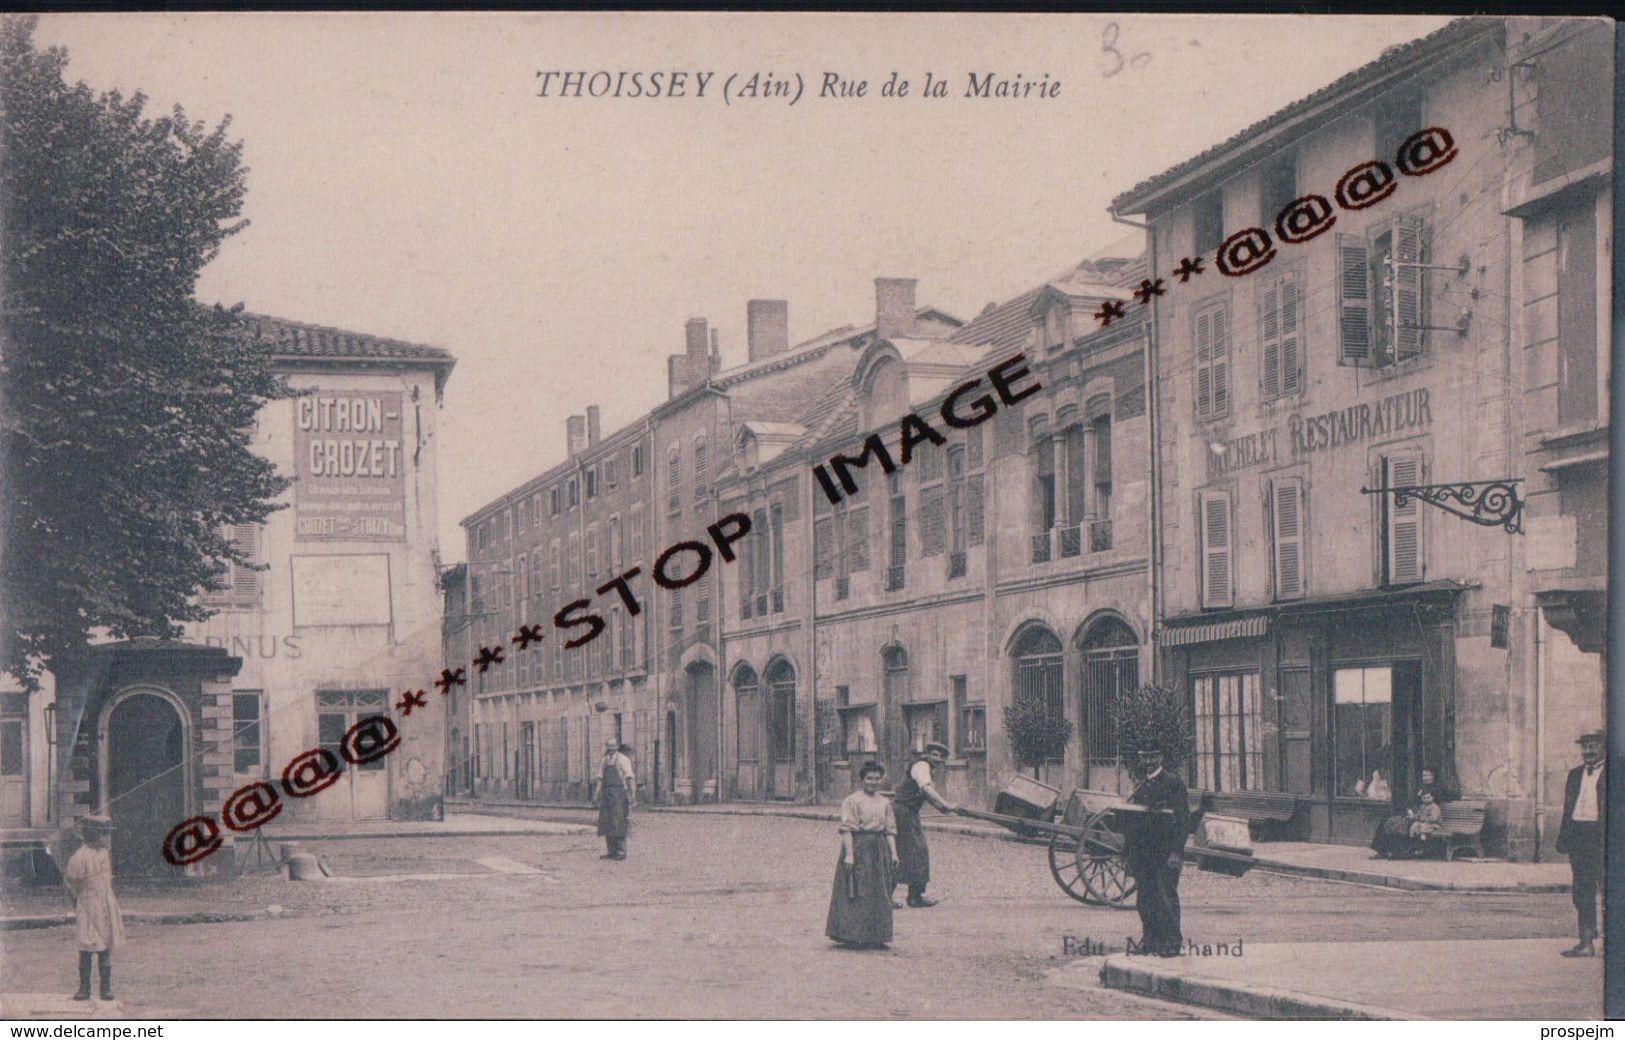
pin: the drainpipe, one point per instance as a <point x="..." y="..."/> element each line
<point x="1540" y="740"/>
<point x="1154" y="425"/>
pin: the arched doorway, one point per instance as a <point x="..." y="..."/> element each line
<point x="700" y="707"/>
<point x="748" y="779"/>
<point x="1036" y="655"/>
<point x="781" y="729"/>
<point x="145" y="793"/>
<point x="1111" y="670"/>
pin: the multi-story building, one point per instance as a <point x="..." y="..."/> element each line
<point x="1331" y="626"/>
<point x="345" y="615"/>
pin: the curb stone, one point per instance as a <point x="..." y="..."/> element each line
<point x="1128" y="974"/>
<point x="32" y="921"/>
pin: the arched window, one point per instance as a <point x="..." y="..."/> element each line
<point x="1111" y="668"/>
<point x="1037" y="654"/>
<point x="781" y="710"/>
<point x="888" y="395"/>
<point x="749" y="710"/>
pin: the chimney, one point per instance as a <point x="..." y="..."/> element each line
<point x="676" y="375"/>
<point x="592" y="426"/>
<point x="575" y="434"/>
<point x="696" y="340"/>
<point x="894" y="307"/>
<point x="767" y="328"/>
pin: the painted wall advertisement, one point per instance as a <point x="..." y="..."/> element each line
<point x="349" y="460"/>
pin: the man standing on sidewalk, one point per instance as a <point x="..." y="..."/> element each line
<point x="913" y="856"/>
<point x="1581" y="835"/>
<point x="1156" y="856"/>
<point x="617" y="792"/>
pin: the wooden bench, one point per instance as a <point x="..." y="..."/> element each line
<point x="1461" y="826"/>
<point x="1267" y="808"/>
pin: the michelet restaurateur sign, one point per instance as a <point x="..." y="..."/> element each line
<point x="347" y="454"/>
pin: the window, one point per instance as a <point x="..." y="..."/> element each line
<point x="1213" y="361"/>
<point x="748" y="704"/>
<point x="933" y="528"/>
<point x="781" y="712"/>
<point x="1037" y="655"/>
<point x="858" y="730"/>
<point x="1578" y="345"/>
<point x="613" y="550"/>
<point x="575" y="492"/>
<point x="956" y="511"/>
<point x="245" y="731"/>
<point x="776" y="512"/>
<point x="857" y="540"/>
<point x="899" y="536"/>
<point x="972" y="735"/>
<point x="1111" y="670"/>
<point x="1277" y="189"/>
<point x="973" y="486"/>
<point x="1397" y="117"/>
<point x="476" y="598"/>
<point x="1100" y="528"/>
<point x="573" y="561"/>
<point x="1055" y="327"/>
<point x="824" y="547"/>
<point x="1208" y="218"/>
<point x="536" y="509"/>
<point x="674" y="477"/>
<point x="553" y="501"/>
<point x="1382" y="294"/>
<point x="592" y="482"/>
<point x="1278" y="330"/>
<point x="1229" y="753"/>
<point x="699" y="469"/>
<point x="1286" y="536"/>
<point x="1213" y="525"/>
<point x="485" y="535"/>
<point x="637" y="460"/>
<point x="1362" y="726"/>
<point x="592" y="552"/>
<point x="926" y="723"/>
<point x="553" y="570"/>
<point x="1402" y="555"/>
<point x="612" y="471"/>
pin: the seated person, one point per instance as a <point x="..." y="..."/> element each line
<point x="1425" y="818"/>
<point x="1394" y="839"/>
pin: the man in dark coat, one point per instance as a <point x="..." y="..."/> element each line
<point x="1155" y="853"/>
<point x="913" y="856"/>
<point x="1581" y="835"/>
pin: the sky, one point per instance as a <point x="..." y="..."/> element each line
<point x="406" y="180"/>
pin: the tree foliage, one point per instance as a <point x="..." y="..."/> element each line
<point x="1153" y="717"/>
<point x="127" y="407"/>
<point x="1036" y="734"/>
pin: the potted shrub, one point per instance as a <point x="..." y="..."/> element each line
<point x="1153" y="716"/>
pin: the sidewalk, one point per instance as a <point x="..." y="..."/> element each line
<point x="1355" y="863"/>
<point x="1455" y="979"/>
<point x="455" y="825"/>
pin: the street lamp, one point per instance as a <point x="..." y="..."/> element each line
<point x="50" y="759"/>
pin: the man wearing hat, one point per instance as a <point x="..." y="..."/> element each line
<point x="100" y="924"/>
<point x="1155" y="854"/>
<point x="1581" y="835"/>
<point x="913" y="856"/>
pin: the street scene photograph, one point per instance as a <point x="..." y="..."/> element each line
<point x="697" y="516"/>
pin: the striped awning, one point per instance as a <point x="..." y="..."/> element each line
<point x="1213" y="631"/>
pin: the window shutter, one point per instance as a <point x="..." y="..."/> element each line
<point x="857" y="540"/>
<point x="245" y="582"/>
<point x="1290" y="375"/>
<point x="1404" y="522"/>
<point x="932" y="529"/>
<point x="1216" y="554"/>
<point x="1353" y="301"/>
<point x="1269" y="325"/>
<point x="1204" y="363"/>
<point x="1408" y="300"/>
<point x="1286" y="514"/>
<point x="1221" y="362"/>
<point x="699" y="468"/>
<point x="974" y="509"/>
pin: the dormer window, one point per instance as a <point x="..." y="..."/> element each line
<point x="1055" y="323"/>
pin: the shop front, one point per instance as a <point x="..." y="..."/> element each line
<point x="1339" y="702"/>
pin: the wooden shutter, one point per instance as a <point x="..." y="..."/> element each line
<point x="1286" y="517"/>
<point x="1404" y="527"/>
<point x="1076" y="497"/>
<point x="823" y="547"/>
<point x="974" y="509"/>
<point x="857" y="540"/>
<point x="1217" y="577"/>
<point x="1221" y="362"/>
<point x="1269" y="327"/>
<point x="1291" y="377"/>
<point x="1353" y="302"/>
<point x="245" y="583"/>
<point x="1409" y="317"/>
<point x="1204" y="363"/>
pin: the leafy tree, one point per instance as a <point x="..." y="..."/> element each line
<point x="127" y="406"/>
<point x="1153" y="717"/>
<point x="1036" y="734"/>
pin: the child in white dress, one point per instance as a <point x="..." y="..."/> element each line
<point x="100" y="924"/>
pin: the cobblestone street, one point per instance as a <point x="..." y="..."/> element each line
<point x="713" y="916"/>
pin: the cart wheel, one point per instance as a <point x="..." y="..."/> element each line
<point x="1101" y="862"/>
<point x="1065" y="865"/>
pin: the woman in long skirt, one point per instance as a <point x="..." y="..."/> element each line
<point x="860" y="910"/>
<point x="100" y="924"/>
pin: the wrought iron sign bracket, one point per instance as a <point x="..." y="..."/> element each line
<point x="1488" y="503"/>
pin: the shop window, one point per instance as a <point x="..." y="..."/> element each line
<point x="858" y="730"/>
<point x="1287" y="526"/>
<point x="1278" y="330"/>
<point x="1212" y="334"/>
<point x="1362" y="729"/>
<point x="1229" y="752"/>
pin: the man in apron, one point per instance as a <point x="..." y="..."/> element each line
<point x="913" y="856"/>
<point x="617" y="793"/>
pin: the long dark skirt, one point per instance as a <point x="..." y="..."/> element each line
<point x="1393" y="837"/>
<point x="913" y="856"/>
<point x="866" y="919"/>
<point x="612" y="808"/>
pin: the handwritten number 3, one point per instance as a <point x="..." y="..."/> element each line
<point x="1108" y="45"/>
